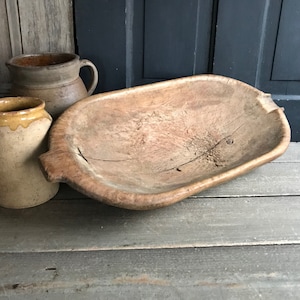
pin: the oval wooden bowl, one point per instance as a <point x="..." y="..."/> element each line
<point x="151" y="146"/>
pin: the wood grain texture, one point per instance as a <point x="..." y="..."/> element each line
<point x="14" y="27"/>
<point x="273" y="179"/>
<point x="31" y="27"/>
<point x="208" y="248"/>
<point x="46" y="26"/>
<point x="219" y="216"/>
<point x="86" y="225"/>
<point x="292" y="154"/>
<point x="5" y="45"/>
<point x="212" y="273"/>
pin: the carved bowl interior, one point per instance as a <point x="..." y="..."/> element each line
<point x="153" y="145"/>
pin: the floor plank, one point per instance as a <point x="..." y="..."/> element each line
<point x="292" y="154"/>
<point x="261" y="272"/>
<point x="272" y="179"/>
<point x="240" y="240"/>
<point x="69" y="225"/>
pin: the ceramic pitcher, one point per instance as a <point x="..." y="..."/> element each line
<point x="53" y="77"/>
<point x="24" y="124"/>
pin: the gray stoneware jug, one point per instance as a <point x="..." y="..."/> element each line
<point x="52" y="77"/>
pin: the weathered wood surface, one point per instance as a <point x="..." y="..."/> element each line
<point x="260" y="272"/>
<point x="13" y="20"/>
<point x="213" y="247"/>
<point x="5" y="46"/>
<point x="31" y="27"/>
<point x="87" y="225"/>
<point x="255" y="213"/>
<point x="46" y="25"/>
<point x="292" y="154"/>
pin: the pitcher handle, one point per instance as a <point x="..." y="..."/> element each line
<point x="94" y="74"/>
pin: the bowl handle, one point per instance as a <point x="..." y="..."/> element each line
<point x="54" y="165"/>
<point x="267" y="102"/>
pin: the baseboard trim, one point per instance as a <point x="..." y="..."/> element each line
<point x="291" y="105"/>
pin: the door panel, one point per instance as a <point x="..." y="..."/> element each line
<point x="287" y="59"/>
<point x="170" y="39"/>
<point x="240" y="25"/>
<point x="258" y="42"/>
<point x="101" y="37"/>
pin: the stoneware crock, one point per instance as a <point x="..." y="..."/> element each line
<point x="53" y="77"/>
<point x="24" y="124"/>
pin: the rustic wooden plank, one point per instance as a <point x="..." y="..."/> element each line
<point x="66" y="225"/>
<point x="5" y="45"/>
<point x="14" y="27"/>
<point x="279" y="177"/>
<point x="269" y="180"/>
<point x="46" y="25"/>
<point x="205" y="273"/>
<point x="292" y="154"/>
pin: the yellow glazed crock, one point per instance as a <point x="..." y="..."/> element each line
<point x="24" y="125"/>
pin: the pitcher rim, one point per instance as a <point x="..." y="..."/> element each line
<point x="12" y="60"/>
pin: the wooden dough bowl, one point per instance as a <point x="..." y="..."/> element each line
<point x="151" y="146"/>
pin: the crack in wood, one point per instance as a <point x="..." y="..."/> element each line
<point x="229" y="140"/>
<point x="87" y="158"/>
<point x="81" y="155"/>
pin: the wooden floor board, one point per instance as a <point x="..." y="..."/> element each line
<point x="69" y="225"/>
<point x="272" y="179"/>
<point x="292" y="154"/>
<point x="201" y="273"/>
<point x="239" y="240"/>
